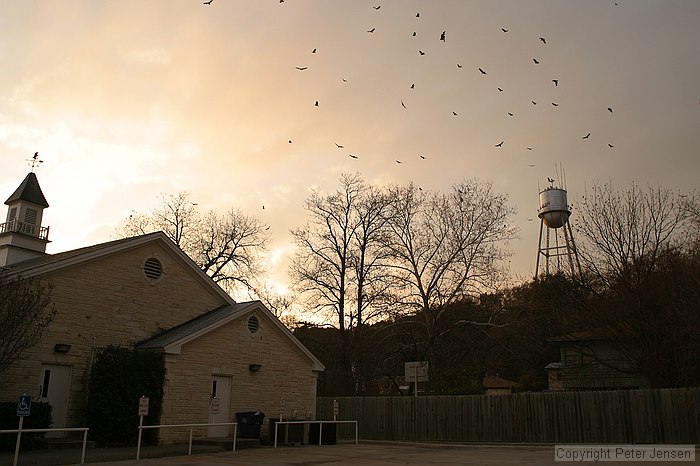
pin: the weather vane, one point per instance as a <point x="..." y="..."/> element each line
<point x="34" y="161"/>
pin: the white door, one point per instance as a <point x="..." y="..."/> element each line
<point x="54" y="386"/>
<point x="219" y="405"/>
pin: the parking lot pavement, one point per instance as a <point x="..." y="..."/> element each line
<point x="364" y="454"/>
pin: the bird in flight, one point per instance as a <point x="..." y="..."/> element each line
<point x="533" y="102"/>
<point x="377" y="7"/>
<point x="500" y="144"/>
<point x="209" y="2"/>
<point x="555" y="81"/>
<point x="403" y="104"/>
<point x="454" y="113"/>
<point x="316" y="104"/>
<point x="530" y="165"/>
<point x="499" y="89"/>
<point x="442" y="36"/>
<point x="510" y="114"/>
<point x="610" y="110"/>
<point x="504" y="29"/>
<point x="413" y="86"/>
<point x="371" y="30"/>
<point x="399" y="161"/>
<point x="421" y="52"/>
<point x="290" y="141"/>
<point x="344" y="80"/>
<point x="555" y="104"/>
<point x="610" y="145"/>
<point x="422" y="156"/>
<point x="536" y="62"/>
<point x="313" y="51"/>
<point x="353" y="156"/>
<point x="586" y="136"/>
<point x="543" y="41"/>
<point x="482" y="71"/>
<point x="414" y="34"/>
<point x="301" y="68"/>
<point x="338" y="145"/>
<point x="458" y="65"/>
<point x="530" y="148"/>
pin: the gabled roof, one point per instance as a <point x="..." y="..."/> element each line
<point x="171" y="340"/>
<point x="56" y="262"/>
<point x="29" y="191"/>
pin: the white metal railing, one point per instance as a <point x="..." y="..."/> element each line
<point x="191" y="426"/>
<point x="56" y="429"/>
<point x="320" y="427"/>
<point x="29" y="229"/>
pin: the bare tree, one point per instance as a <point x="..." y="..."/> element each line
<point x="337" y="250"/>
<point x="446" y="248"/>
<point x="625" y="232"/>
<point x="25" y="314"/>
<point x="228" y="246"/>
<point x="641" y="252"/>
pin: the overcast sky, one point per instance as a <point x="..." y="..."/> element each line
<point x="125" y="100"/>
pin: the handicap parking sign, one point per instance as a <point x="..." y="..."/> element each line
<point x="24" y="406"/>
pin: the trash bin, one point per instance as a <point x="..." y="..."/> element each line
<point x="249" y="424"/>
<point x="287" y="434"/>
<point x="329" y="431"/>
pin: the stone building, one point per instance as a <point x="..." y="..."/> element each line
<point x="145" y="293"/>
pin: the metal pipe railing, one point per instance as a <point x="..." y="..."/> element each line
<point x="57" y="429"/>
<point x="320" y="428"/>
<point x="191" y="426"/>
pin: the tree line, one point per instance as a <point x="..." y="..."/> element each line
<point x="398" y="273"/>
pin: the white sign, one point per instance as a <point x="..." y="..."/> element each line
<point x="416" y="371"/>
<point x="335" y="407"/>
<point x="215" y="405"/>
<point x="282" y="408"/>
<point x="143" y="406"/>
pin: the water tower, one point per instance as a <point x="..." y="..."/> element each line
<point x="558" y="251"/>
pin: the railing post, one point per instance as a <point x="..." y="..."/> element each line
<point x="276" y="425"/>
<point x="235" y="434"/>
<point x="320" y="432"/>
<point x="82" y="454"/>
<point x="189" y="451"/>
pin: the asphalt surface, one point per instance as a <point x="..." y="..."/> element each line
<point x="365" y="454"/>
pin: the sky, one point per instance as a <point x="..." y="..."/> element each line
<point x="126" y="100"/>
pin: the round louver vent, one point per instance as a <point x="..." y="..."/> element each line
<point x="253" y="324"/>
<point x="153" y="269"/>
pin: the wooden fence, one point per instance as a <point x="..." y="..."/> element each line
<point x="620" y="416"/>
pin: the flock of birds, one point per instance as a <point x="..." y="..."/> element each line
<point x="443" y="37"/>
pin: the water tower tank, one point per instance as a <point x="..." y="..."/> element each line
<point x="554" y="209"/>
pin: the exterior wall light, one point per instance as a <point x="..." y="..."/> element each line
<point x="61" y="348"/>
<point x="254" y="367"/>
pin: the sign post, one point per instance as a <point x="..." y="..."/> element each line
<point x="24" y="407"/>
<point x="143" y="411"/>
<point x="416" y="371"/>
